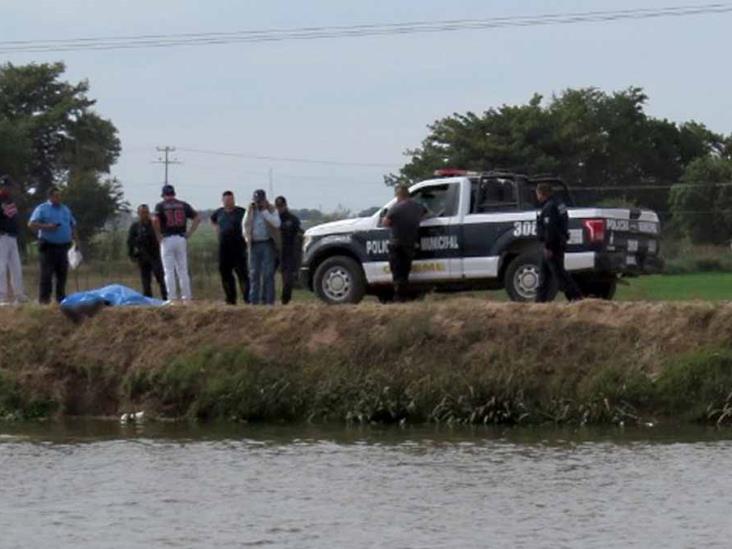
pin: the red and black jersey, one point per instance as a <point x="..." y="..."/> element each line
<point x="173" y="216"/>
<point x="8" y="218"/>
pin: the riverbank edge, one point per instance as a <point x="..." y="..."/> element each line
<point x="460" y="361"/>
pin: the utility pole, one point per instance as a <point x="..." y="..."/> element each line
<point x="271" y="185"/>
<point x="165" y="159"/>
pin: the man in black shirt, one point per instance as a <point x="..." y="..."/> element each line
<point x="9" y="255"/>
<point x="552" y="229"/>
<point x="403" y="218"/>
<point x="171" y="228"/>
<point x="291" y="231"/>
<point x="232" y="248"/>
<point x="143" y="248"/>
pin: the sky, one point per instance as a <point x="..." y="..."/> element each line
<point x="350" y="100"/>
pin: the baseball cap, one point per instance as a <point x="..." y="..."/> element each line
<point x="259" y="195"/>
<point x="168" y="190"/>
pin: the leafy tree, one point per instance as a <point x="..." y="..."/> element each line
<point x="93" y="201"/>
<point x="15" y="150"/>
<point x="49" y="135"/>
<point x="588" y="137"/>
<point x="702" y="203"/>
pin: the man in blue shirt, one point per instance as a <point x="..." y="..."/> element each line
<point x="56" y="229"/>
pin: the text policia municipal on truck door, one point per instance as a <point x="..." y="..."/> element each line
<point x="427" y="244"/>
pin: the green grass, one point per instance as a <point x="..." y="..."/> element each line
<point x="702" y="286"/>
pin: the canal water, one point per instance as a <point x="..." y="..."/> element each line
<point x="100" y="484"/>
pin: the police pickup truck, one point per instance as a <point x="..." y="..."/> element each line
<point x="480" y="233"/>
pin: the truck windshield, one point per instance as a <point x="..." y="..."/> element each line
<point x="440" y="200"/>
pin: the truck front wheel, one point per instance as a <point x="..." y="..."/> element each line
<point x="522" y="278"/>
<point x="339" y="280"/>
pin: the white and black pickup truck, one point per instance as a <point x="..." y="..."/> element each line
<point x="480" y="234"/>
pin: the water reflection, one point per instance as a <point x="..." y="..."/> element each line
<point x="101" y="484"/>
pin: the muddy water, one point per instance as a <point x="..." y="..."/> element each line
<point x="102" y="485"/>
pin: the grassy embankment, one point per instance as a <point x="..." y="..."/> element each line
<point x="458" y="361"/>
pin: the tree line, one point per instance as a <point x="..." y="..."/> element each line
<point x="604" y="145"/>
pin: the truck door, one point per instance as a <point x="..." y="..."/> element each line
<point x="493" y="216"/>
<point x="438" y="255"/>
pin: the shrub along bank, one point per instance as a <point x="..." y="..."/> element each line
<point x="456" y="361"/>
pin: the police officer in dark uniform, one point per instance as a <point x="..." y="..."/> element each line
<point x="403" y="218"/>
<point x="291" y="230"/>
<point x="143" y="248"/>
<point x="232" y="248"/>
<point x="552" y="229"/>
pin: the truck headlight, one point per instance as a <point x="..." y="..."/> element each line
<point x="306" y="241"/>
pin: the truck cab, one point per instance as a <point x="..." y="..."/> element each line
<point x="480" y="233"/>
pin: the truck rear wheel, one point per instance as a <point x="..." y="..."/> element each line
<point x="600" y="288"/>
<point x="522" y="278"/>
<point x="339" y="280"/>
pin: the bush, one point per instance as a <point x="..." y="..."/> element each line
<point x="698" y="386"/>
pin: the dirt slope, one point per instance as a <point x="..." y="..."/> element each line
<point x="87" y="369"/>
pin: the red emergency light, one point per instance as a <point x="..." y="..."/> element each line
<point x="452" y="172"/>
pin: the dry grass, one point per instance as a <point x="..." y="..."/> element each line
<point x="461" y="360"/>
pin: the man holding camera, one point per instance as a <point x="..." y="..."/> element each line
<point x="262" y="233"/>
<point x="9" y="255"/>
<point x="56" y="228"/>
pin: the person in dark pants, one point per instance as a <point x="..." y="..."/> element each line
<point x="403" y="218"/>
<point x="262" y="232"/>
<point x="232" y="248"/>
<point x="56" y="228"/>
<point x="552" y="229"/>
<point x="144" y="249"/>
<point x="291" y="230"/>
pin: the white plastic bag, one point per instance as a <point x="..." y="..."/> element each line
<point x="75" y="257"/>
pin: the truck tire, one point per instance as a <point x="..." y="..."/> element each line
<point x="521" y="278"/>
<point x="339" y="280"/>
<point x="600" y="288"/>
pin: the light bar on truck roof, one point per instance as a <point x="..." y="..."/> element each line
<point x="453" y="172"/>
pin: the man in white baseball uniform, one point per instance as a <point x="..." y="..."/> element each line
<point x="171" y="226"/>
<point x="9" y="255"/>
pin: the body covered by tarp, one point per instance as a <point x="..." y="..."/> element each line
<point x="114" y="295"/>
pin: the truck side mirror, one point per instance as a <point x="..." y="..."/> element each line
<point x="382" y="215"/>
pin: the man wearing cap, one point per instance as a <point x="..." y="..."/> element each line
<point x="261" y="230"/>
<point x="9" y="255"/>
<point x="232" y="248"/>
<point x="56" y="228"/>
<point x="144" y="249"/>
<point x="171" y="228"/>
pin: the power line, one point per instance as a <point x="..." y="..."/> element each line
<point x="289" y="159"/>
<point x="641" y="187"/>
<point x="354" y="31"/>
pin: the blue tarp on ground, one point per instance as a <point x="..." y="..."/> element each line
<point x="114" y="295"/>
